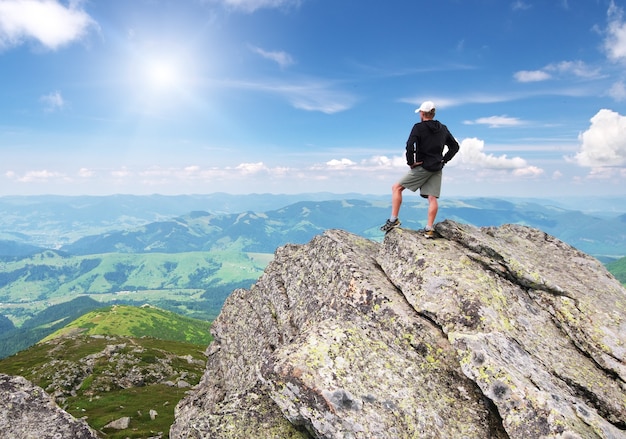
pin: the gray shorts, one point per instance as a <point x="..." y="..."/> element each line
<point x="429" y="183"/>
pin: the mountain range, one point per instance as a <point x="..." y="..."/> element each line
<point x="188" y="253"/>
<point x="133" y="224"/>
<point x="299" y="222"/>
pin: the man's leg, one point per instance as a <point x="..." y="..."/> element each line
<point x="396" y="199"/>
<point x="433" y="207"/>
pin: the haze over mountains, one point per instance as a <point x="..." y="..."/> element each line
<point x="171" y="224"/>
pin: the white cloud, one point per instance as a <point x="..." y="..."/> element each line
<point x="283" y="59"/>
<point x="528" y="171"/>
<point x="557" y="175"/>
<point x="520" y="5"/>
<point x="318" y="97"/>
<point x="85" y="173"/>
<point x="604" y="143"/>
<point x="472" y="155"/>
<point x="340" y="164"/>
<point x="253" y="5"/>
<point x="37" y="176"/>
<point x="46" y="21"/>
<point x="308" y="95"/>
<point x="615" y="42"/>
<point x="384" y="162"/>
<point x="53" y="101"/>
<point x="618" y="91"/>
<point x="496" y="121"/>
<point x="121" y="173"/>
<point x="251" y="168"/>
<point x="578" y="69"/>
<point x="531" y="76"/>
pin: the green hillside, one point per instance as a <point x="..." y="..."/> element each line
<point x="145" y="321"/>
<point x="116" y="362"/>
<point x="618" y="269"/>
<point x="193" y="283"/>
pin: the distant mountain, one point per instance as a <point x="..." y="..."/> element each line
<point x="116" y="363"/>
<point x="51" y="221"/>
<point x="12" y="249"/>
<point x="600" y="235"/>
<point x="258" y="232"/>
<point x="299" y="222"/>
<point x="62" y="222"/>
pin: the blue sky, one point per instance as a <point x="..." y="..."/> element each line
<point x="289" y="96"/>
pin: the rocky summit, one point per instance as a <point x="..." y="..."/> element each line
<point x="489" y="332"/>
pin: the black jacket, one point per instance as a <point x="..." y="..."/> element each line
<point x="426" y="143"/>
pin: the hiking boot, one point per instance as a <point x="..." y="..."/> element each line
<point x="390" y="225"/>
<point x="429" y="232"/>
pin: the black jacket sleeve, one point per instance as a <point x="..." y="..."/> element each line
<point x="453" y="147"/>
<point x="411" y="146"/>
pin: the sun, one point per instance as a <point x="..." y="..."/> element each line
<point x="162" y="74"/>
<point x="161" y="78"/>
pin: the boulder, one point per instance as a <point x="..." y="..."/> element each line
<point x="504" y="333"/>
<point x="119" y="424"/>
<point x="27" y="412"/>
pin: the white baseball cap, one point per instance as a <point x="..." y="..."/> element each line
<point x="426" y="107"/>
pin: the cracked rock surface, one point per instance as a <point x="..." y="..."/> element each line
<point x="482" y="333"/>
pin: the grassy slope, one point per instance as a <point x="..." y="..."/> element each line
<point x="145" y="321"/>
<point x="135" y="328"/>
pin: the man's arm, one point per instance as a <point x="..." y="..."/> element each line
<point x="411" y="147"/>
<point x="453" y="148"/>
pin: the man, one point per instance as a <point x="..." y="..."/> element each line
<point x="424" y="155"/>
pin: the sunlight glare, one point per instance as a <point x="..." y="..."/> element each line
<point x="162" y="74"/>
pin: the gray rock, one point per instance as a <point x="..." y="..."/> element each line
<point x="119" y="424"/>
<point x="484" y="333"/>
<point x="27" y="412"/>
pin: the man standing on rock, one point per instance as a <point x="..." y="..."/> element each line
<point x="424" y="155"/>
